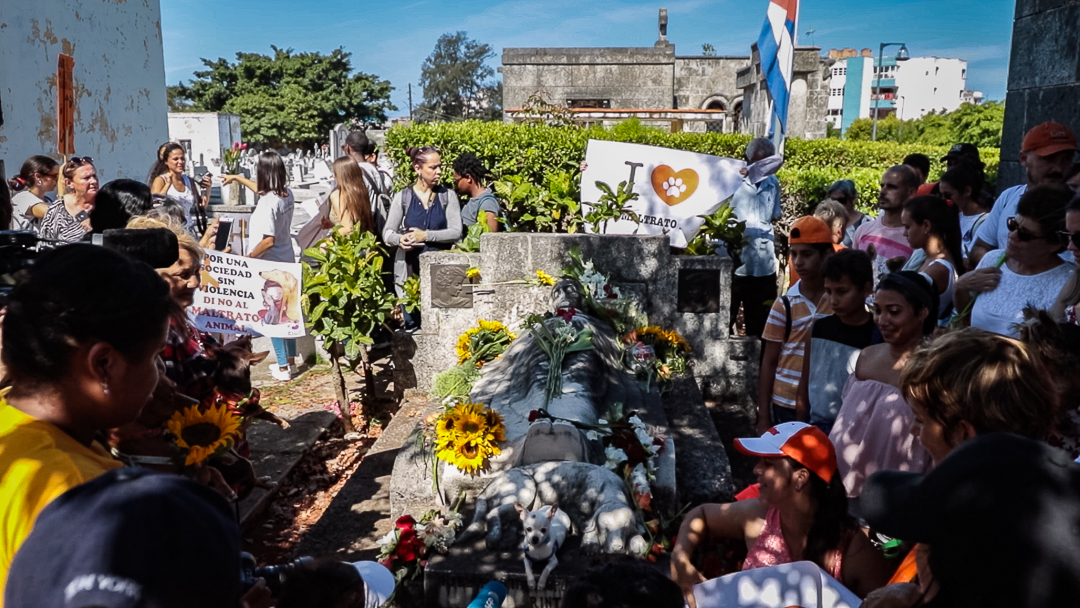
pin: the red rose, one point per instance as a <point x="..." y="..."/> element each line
<point x="409" y="546"/>
<point x="405" y="522"/>
<point x="243" y="146"/>
<point x="566" y="314"/>
<point x="533" y="415"/>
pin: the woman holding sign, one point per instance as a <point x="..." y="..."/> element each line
<point x="271" y="225"/>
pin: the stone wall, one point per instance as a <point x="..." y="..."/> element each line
<point x="119" y="81"/>
<point x="808" y="101"/>
<point x="628" y="77"/>
<point x="701" y="81"/>
<point x="666" y="285"/>
<point x="1044" y="76"/>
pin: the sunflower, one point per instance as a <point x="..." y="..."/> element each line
<point x="470" y="419"/>
<point x="466" y="436"/>
<point x="204" y="433"/>
<point x="469" y="454"/>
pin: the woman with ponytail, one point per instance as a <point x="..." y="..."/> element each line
<point x="168" y="177"/>
<point x="933" y="225"/>
<point x="29" y="189"/>
<point x="801" y="514"/>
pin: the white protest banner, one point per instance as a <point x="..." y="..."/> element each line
<point x="674" y="187"/>
<point x="242" y="295"/>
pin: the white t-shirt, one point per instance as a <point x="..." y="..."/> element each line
<point x="967" y="235"/>
<point x="1000" y="310"/>
<point x="22" y="218"/>
<point x="273" y="216"/>
<point x="993" y="231"/>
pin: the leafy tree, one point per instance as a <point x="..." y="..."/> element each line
<point x="708" y="50"/>
<point x="457" y="82"/>
<point x="176" y="100"/>
<point x="289" y="98"/>
<point x="345" y="300"/>
<point x="976" y="124"/>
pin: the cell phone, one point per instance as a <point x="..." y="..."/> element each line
<point x="224" y="230"/>
<point x="201" y="171"/>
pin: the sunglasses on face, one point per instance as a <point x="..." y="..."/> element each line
<point x="1022" y="234"/>
<point x="1070" y="237"/>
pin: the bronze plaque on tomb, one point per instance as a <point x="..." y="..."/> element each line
<point x="699" y="290"/>
<point x="449" y="286"/>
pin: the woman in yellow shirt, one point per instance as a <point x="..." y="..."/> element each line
<point x="81" y="339"/>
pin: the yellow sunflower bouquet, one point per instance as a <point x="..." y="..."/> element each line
<point x="467" y="435"/>
<point x="202" y="434"/>
<point x="484" y="343"/>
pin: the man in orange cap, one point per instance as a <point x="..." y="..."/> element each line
<point x="790" y="321"/>
<point x="1046" y="154"/>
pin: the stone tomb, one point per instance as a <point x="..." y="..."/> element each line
<point x="685" y="293"/>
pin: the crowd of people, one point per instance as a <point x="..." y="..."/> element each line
<point x="917" y="405"/>
<point x="923" y="362"/>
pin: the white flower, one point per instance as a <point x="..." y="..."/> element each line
<point x="639" y="477"/>
<point x="601" y="421"/>
<point x="635" y="421"/>
<point x="615" y="457"/>
<point x="592" y="435"/>
<point x="643" y="436"/>
<point x="388" y="540"/>
<point x="453" y="520"/>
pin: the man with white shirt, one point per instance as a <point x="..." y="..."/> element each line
<point x="1046" y="154"/>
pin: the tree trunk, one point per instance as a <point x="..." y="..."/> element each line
<point x="369" y="377"/>
<point x="340" y="390"/>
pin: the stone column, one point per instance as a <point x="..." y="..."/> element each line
<point x="1044" y="76"/>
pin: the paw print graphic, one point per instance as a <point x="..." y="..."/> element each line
<point x="674" y="186"/>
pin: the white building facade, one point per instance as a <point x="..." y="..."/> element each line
<point x="203" y="135"/>
<point x="909" y="89"/>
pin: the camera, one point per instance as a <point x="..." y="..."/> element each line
<point x="157" y="247"/>
<point x="274" y="575"/>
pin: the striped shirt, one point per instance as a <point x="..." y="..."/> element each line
<point x="789" y="368"/>
<point x="59" y="225"/>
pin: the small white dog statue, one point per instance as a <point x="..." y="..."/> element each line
<point x="545" y="531"/>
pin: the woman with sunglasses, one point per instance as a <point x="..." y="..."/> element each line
<point x="68" y="219"/>
<point x="423" y="217"/>
<point x="1028" y="273"/>
<point x="1064" y="310"/>
<point x="36" y="178"/>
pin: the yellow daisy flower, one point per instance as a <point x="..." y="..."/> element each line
<point x="472" y="273"/>
<point x="203" y="434"/>
<point x="545" y="278"/>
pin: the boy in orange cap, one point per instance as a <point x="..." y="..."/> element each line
<point x="790" y="321"/>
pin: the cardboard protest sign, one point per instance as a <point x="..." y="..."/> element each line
<point x="794" y="585"/>
<point x="674" y="187"/>
<point x="245" y="295"/>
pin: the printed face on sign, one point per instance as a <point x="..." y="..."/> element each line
<point x="674" y="187"/>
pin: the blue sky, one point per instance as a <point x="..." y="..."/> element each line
<point x="392" y="39"/>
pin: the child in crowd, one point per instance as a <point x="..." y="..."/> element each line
<point x="835" y="216"/>
<point x="836" y="341"/>
<point x="790" y="321"/>
<point x="871" y="429"/>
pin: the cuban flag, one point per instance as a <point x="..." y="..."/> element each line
<point x="776" y="46"/>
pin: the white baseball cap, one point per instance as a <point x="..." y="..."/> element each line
<point x="802" y="442"/>
<point x="379" y="583"/>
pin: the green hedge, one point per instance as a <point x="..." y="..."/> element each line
<point x="532" y="149"/>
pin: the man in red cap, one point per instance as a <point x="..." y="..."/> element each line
<point x="1046" y="154"/>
